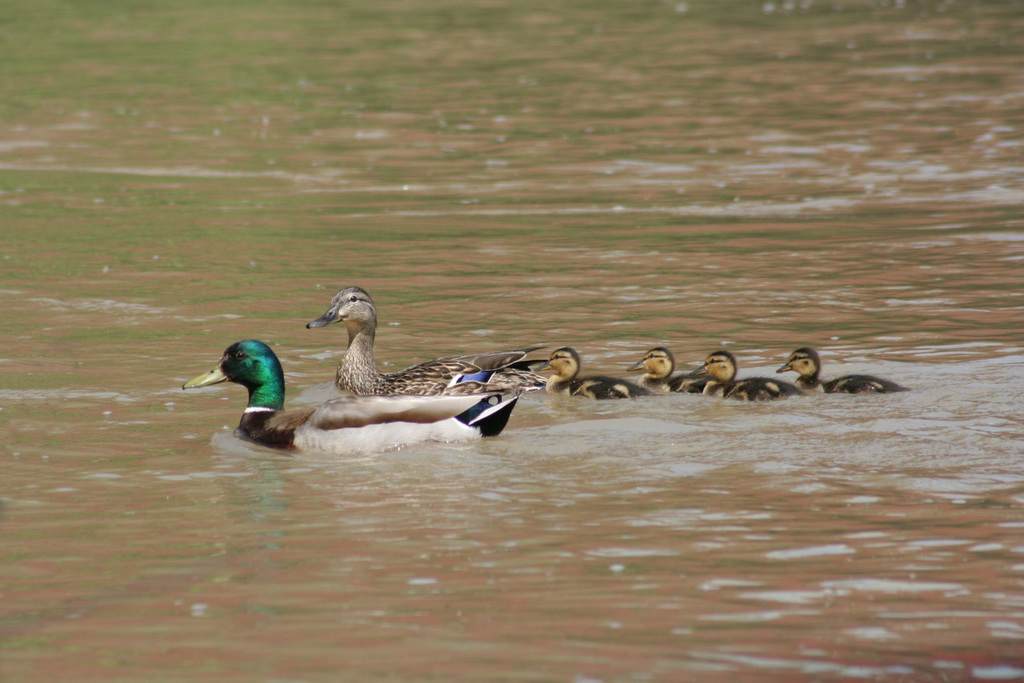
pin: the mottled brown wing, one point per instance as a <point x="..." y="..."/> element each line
<point x="492" y="360"/>
<point x="433" y="377"/>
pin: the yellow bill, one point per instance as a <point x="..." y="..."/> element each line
<point x="206" y="379"/>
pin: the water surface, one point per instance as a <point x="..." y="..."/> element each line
<point x="613" y="177"/>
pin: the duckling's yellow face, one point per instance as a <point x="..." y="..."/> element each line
<point x="658" y="363"/>
<point x="801" y="362"/>
<point x="721" y="367"/>
<point x="564" y="362"/>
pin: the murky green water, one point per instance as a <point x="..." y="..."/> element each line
<point x="612" y="176"/>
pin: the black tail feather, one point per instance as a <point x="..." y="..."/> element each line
<point x="489" y="415"/>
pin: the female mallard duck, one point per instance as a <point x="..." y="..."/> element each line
<point x="566" y="364"/>
<point x="505" y="371"/>
<point x="807" y="364"/>
<point x="659" y="364"/>
<point x="350" y="423"/>
<point x="721" y="365"/>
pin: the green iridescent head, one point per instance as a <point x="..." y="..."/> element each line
<point x="252" y="364"/>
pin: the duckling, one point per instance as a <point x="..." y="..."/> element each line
<point x="807" y="364"/>
<point x="348" y="424"/>
<point x="565" y="361"/>
<point x="721" y="365"/>
<point x="659" y="364"/>
<point x="504" y="371"/>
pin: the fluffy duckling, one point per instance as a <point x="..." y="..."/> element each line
<point x="565" y="361"/>
<point x="659" y="364"/>
<point x="504" y="371"/>
<point x="807" y="364"/>
<point x="721" y="366"/>
<point x="349" y="424"/>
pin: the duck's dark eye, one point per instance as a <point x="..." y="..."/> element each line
<point x="353" y="298"/>
<point x="239" y="354"/>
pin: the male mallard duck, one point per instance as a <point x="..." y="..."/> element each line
<point x="350" y="423"/>
<point x="721" y="365"/>
<point x="807" y="364"/>
<point x="659" y="364"/>
<point x="505" y="371"/>
<point x="566" y="364"/>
